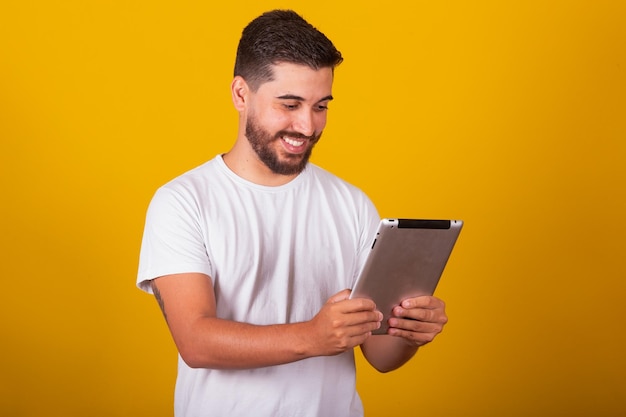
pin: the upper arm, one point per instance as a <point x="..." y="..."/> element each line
<point x="185" y="299"/>
<point x="173" y="241"/>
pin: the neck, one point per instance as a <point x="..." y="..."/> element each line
<point x="247" y="165"/>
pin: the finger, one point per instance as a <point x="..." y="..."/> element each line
<point x="416" y="338"/>
<point x="350" y="328"/>
<point x="359" y="339"/>
<point x="415" y="326"/>
<point x="421" y="314"/>
<point x="359" y="321"/>
<point x="340" y="296"/>
<point x="351" y="305"/>
<point x="425" y="301"/>
<point x="363" y="329"/>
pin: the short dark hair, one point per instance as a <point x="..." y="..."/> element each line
<point x="281" y="36"/>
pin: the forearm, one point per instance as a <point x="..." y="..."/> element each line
<point x="223" y="344"/>
<point x="386" y="353"/>
<point x="206" y="341"/>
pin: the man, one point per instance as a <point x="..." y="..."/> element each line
<point x="251" y="255"/>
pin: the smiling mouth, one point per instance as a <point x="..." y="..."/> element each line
<point x="294" y="142"/>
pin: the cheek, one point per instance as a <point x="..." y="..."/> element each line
<point x="320" y="121"/>
<point x="274" y="121"/>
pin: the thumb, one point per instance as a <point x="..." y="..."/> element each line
<point x="340" y="296"/>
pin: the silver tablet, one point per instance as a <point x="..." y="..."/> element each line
<point x="406" y="260"/>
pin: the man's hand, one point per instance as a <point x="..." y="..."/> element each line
<point x="342" y="324"/>
<point x="418" y="320"/>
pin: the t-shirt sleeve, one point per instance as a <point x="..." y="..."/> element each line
<point x="173" y="241"/>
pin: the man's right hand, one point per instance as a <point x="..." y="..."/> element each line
<point x="343" y="324"/>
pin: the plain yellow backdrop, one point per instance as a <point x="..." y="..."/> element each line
<point x="510" y="115"/>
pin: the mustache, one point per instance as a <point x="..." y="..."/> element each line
<point x="314" y="137"/>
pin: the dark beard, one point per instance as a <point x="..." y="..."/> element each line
<point x="290" y="164"/>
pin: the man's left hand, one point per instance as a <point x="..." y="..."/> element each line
<point x="418" y="320"/>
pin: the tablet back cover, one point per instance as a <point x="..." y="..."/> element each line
<point x="407" y="259"/>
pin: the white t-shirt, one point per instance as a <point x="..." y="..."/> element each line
<point x="275" y="255"/>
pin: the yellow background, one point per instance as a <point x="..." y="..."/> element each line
<point x="510" y="115"/>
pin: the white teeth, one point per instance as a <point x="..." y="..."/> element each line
<point x="293" y="142"/>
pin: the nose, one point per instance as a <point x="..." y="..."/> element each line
<point x="304" y="123"/>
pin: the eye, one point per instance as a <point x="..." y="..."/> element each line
<point x="291" y="106"/>
<point x="321" y="107"/>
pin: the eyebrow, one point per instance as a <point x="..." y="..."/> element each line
<point x="298" y="98"/>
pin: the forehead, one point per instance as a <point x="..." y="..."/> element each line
<point x="299" y="80"/>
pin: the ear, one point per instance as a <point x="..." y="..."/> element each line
<point x="239" y="90"/>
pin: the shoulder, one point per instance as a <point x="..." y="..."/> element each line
<point x="195" y="177"/>
<point x="320" y="174"/>
<point x="187" y="191"/>
<point x="332" y="183"/>
<point x="194" y="182"/>
<point x="340" y="194"/>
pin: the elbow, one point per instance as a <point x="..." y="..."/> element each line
<point x="195" y="357"/>
<point x="200" y="358"/>
<point x="193" y="363"/>
<point x="192" y="358"/>
<point x="388" y="355"/>
<point x="384" y="369"/>
<point x="384" y="364"/>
